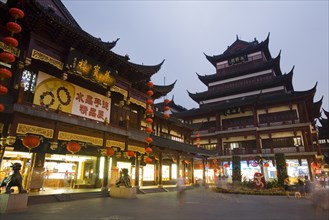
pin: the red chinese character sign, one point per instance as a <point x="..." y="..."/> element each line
<point x="259" y="181"/>
<point x="55" y="94"/>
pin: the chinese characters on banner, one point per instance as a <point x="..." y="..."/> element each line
<point x="57" y="94"/>
<point x="90" y="105"/>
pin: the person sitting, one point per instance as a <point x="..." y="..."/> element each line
<point x="301" y="187"/>
<point x="286" y="184"/>
<point x="308" y="187"/>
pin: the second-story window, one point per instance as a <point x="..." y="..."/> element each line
<point x="29" y="80"/>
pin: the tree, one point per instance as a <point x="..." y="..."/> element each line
<point x="236" y="176"/>
<point x="281" y="167"/>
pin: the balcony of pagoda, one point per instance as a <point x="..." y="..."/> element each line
<point x="280" y="123"/>
<point x="239" y="68"/>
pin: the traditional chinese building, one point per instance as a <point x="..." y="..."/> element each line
<point x="324" y="135"/>
<point x="74" y="113"/>
<point x="250" y="109"/>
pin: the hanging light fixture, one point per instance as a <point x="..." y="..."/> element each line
<point x="3" y="90"/>
<point x="16" y="13"/>
<point x="31" y="141"/>
<point x="7" y="57"/>
<point x="148" y="150"/>
<point x="5" y="73"/>
<point x="2" y="107"/>
<point x="109" y="151"/>
<point x="13" y="27"/>
<point x="10" y="41"/>
<point x="148" y="160"/>
<point x="148" y="140"/>
<point x="73" y="147"/>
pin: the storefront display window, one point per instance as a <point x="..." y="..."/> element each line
<point x="173" y="171"/>
<point x="148" y="172"/>
<point x="165" y="173"/>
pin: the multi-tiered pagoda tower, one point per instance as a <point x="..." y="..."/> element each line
<point x="251" y="109"/>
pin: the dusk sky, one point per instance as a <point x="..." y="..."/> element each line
<point x="182" y="31"/>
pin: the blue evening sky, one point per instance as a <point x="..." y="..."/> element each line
<point x="181" y="31"/>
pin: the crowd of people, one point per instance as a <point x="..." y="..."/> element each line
<point x="304" y="187"/>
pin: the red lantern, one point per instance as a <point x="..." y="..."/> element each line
<point x="10" y="41"/>
<point x="197" y="139"/>
<point x="16" y="13"/>
<point x="13" y="27"/>
<point x="7" y="57"/>
<point x="215" y="170"/>
<point x="2" y="107"/>
<point x="31" y="141"/>
<point x="148" y="150"/>
<point x="148" y="140"/>
<point x="197" y="135"/>
<point x="149" y="111"/>
<point x="109" y="151"/>
<point x="149" y="120"/>
<point x="166" y="101"/>
<point x="266" y="164"/>
<point x="3" y="90"/>
<point x="166" y="108"/>
<point x="73" y="147"/>
<point x="150" y="93"/>
<point x="130" y="153"/>
<point x="149" y="102"/>
<point x="226" y="165"/>
<point x="150" y="84"/>
<point x="5" y="73"/>
<point x="148" y="130"/>
<point x="148" y="160"/>
<point x="166" y="116"/>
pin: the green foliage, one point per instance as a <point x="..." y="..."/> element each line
<point x="236" y="175"/>
<point x="247" y="184"/>
<point x="272" y="184"/>
<point x="281" y="167"/>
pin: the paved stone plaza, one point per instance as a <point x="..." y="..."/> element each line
<point x="198" y="204"/>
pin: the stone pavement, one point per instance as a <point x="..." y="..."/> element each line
<point x="199" y="204"/>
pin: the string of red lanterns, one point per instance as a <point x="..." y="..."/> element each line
<point x="6" y="57"/>
<point x="166" y="109"/>
<point x="197" y="140"/>
<point x="149" y="120"/>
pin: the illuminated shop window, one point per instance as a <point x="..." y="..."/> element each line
<point x="148" y="174"/>
<point x="165" y="172"/>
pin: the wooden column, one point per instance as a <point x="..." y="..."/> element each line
<point x="37" y="173"/>
<point x="254" y="109"/>
<point x="305" y="140"/>
<point x="204" y="162"/>
<point x="219" y="123"/>
<point x="220" y="145"/>
<point x="160" y="170"/>
<point x="259" y="150"/>
<point x="192" y="170"/>
<point x="105" y="183"/>
<point x="178" y="165"/>
<point x="137" y="165"/>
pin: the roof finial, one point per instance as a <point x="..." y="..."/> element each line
<point x="237" y="37"/>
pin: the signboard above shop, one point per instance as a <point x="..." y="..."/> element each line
<point x="89" y="68"/>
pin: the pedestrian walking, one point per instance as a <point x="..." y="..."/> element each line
<point x="181" y="190"/>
